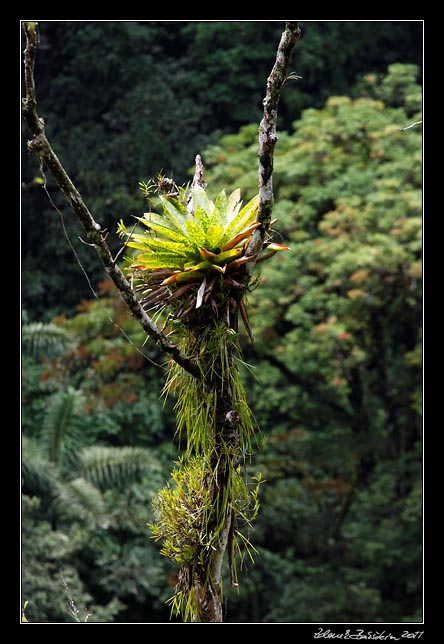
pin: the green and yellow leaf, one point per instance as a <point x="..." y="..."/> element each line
<point x="202" y="217"/>
<point x="200" y="199"/>
<point x="164" y="245"/>
<point x="243" y="218"/>
<point x="233" y="205"/>
<point x="214" y="237"/>
<point x="175" y="214"/>
<point x="195" y="232"/>
<point x="218" y="216"/>
<point x="162" y="229"/>
<point x="227" y="256"/>
<point x="241" y="236"/>
<point x="159" y="260"/>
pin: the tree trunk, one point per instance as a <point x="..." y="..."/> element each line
<point x="209" y="596"/>
<point x="206" y="571"/>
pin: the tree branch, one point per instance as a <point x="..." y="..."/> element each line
<point x="41" y="146"/>
<point x="401" y="129"/>
<point x="198" y="181"/>
<point x="268" y="136"/>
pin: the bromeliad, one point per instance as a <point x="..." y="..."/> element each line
<point x="189" y="259"/>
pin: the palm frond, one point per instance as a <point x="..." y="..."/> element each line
<point x="39" y="477"/>
<point x="117" y="467"/>
<point x="47" y="339"/>
<point x="80" y="499"/>
<point x="62" y="429"/>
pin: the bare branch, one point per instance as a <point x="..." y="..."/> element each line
<point x="198" y="180"/>
<point x="401" y="129"/>
<point x="267" y="134"/>
<point x="29" y="103"/>
<point x="96" y="237"/>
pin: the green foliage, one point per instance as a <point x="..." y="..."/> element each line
<point x="338" y="327"/>
<point x="45" y="339"/>
<point x="66" y="474"/>
<point x="208" y="234"/>
<point x="49" y="461"/>
<point x="120" y="386"/>
<point x="181" y="249"/>
<point x="38" y="474"/>
<point x="122" y="561"/>
<point x="181" y="513"/>
<point x="208" y="246"/>
<point x="62" y="427"/>
<point x="79" y="499"/>
<point x="218" y="353"/>
<point x="67" y="482"/>
<point x="116" y="467"/>
<point x="184" y="518"/>
<point x="46" y="555"/>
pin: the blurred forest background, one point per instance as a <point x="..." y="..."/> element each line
<point x="336" y="375"/>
